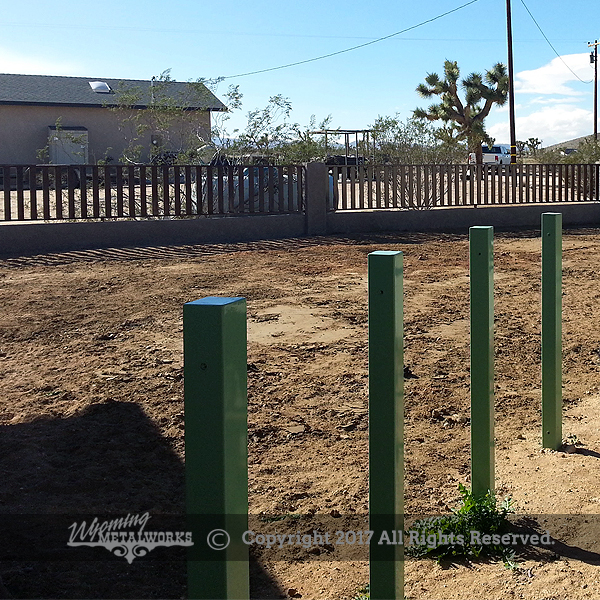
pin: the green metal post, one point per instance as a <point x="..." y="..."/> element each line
<point x="482" y="359"/>
<point x="552" y="330"/>
<point x="216" y="432"/>
<point x="386" y="422"/>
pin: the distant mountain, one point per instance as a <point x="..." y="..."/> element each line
<point x="569" y="144"/>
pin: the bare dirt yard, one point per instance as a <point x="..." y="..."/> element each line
<point x="91" y="414"/>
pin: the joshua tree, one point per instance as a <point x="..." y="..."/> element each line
<point x="491" y="88"/>
<point x="534" y="144"/>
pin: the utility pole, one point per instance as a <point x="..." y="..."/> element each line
<point x="511" y="86"/>
<point x="594" y="59"/>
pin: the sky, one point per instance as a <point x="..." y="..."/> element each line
<point x="129" y="39"/>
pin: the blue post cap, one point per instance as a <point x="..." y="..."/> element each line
<point x="214" y="301"/>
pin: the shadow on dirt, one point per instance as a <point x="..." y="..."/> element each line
<point x="567" y="533"/>
<point x="109" y="461"/>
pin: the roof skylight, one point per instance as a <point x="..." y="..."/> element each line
<point x="100" y="87"/>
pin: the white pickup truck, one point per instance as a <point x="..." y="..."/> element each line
<point x="493" y="155"/>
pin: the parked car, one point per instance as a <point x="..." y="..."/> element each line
<point x="492" y="155"/>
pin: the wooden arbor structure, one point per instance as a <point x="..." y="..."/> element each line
<point x="361" y="138"/>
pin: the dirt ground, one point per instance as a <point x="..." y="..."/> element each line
<point x="91" y="415"/>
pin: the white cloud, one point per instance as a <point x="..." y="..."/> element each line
<point x="548" y="101"/>
<point x="552" y="124"/>
<point x="553" y="114"/>
<point x="553" y="77"/>
<point x="11" y="62"/>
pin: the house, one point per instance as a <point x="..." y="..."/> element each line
<point x="83" y="119"/>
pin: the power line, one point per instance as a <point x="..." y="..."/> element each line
<point x="551" y="46"/>
<point x="381" y="39"/>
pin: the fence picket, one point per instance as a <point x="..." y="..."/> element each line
<point x="120" y="195"/>
<point x="251" y="188"/>
<point x="176" y="190"/>
<point x="20" y="196"/>
<point x="353" y="173"/>
<point x="6" y="170"/>
<point x="83" y="192"/>
<point x="46" y="193"/>
<point x="240" y="194"/>
<point x="71" y="192"/>
<point x="33" y="211"/>
<point x="270" y="171"/>
<point x="377" y="176"/>
<point x="95" y="192"/>
<point x="166" y="185"/>
<point x="154" y="186"/>
<point x="58" y="192"/>
<point x="143" y="191"/>
<point x="280" y="207"/>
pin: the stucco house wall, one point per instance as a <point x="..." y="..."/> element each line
<point x="24" y="131"/>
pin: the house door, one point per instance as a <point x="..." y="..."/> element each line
<point x="68" y="145"/>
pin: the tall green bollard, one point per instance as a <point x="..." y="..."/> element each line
<point x="386" y="422"/>
<point x="482" y="359"/>
<point x="552" y="330"/>
<point x="216" y="432"/>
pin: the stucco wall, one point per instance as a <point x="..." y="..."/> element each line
<point x="24" y="130"/>
<point x="461" y="218"/>
<point x="18" y="239"/>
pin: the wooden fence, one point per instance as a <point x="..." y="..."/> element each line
<point x="75" y="192"/>
<point x="69" y="192"/>
<point x="429" y="186"/>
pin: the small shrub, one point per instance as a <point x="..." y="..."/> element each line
<point x="450" y="536"/>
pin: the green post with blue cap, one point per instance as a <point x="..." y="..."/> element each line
<point x="481" y="259"/>
<point x="216" y="442"/>
<point x="386" y="423"/>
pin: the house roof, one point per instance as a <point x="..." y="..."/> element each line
<point x="52" y="90"/>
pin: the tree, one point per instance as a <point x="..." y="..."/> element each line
<point x="270" y="135"/>
<point x="306" y="146"/>
<point x="468" y="115"/>
<point x="266" y="129"/>
<point x="414" y="141"/>
<point x="533" y="144"/>
<point x="173" y="127"/>
<point x="221" y="139"/>
<point x="180" y="136"/>
<point x="588" y="152"/>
